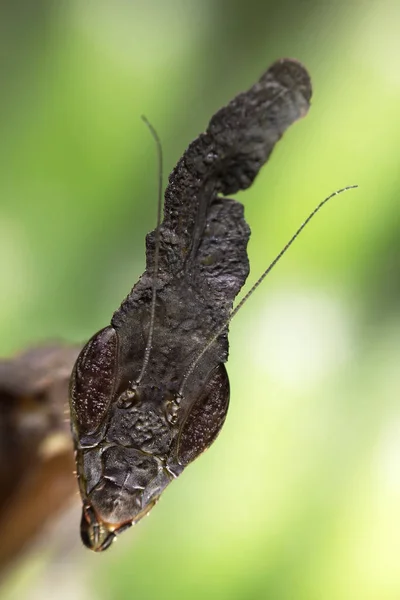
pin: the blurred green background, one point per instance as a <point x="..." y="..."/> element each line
<point x="299" y="498"/>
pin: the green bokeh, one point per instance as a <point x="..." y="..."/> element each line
<point x="300" y="496"/>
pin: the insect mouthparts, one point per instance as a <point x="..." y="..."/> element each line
<point x="94" y="534"/>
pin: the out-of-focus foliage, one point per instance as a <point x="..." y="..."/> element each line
<point x="300" y="496"/>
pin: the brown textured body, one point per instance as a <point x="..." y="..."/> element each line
<point x="133" y="437"/>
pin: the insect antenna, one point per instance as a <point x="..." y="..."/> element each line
<point x="256" y="285"/>
<point x="156" y="249"/>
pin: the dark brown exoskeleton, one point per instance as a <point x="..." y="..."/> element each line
<point x="142" y="411"/>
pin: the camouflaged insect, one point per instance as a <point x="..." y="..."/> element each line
<point x="132" y="438"/>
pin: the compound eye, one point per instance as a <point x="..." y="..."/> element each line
<point x="172" y="411"/>
<point x="127" y="399"/>
<point x="93" y="381"/>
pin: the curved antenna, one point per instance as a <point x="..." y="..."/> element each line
<point x="255" y="286"/>
<point x="156" y="250"/>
